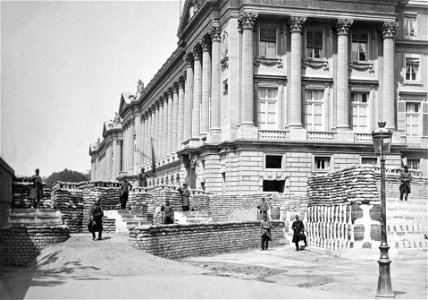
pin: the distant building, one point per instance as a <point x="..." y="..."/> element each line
<point x="258" y="97"/>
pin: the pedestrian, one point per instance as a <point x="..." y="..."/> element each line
<point x="125" y="186"/>
<point x="298" y="232"/>
<point x="263" y="209"/>
<point x="266" y="236"/>
<point x="36" y="192"/>
<point x="168" y="213"/>
<point x="96" y="214"/>
<point x="142" y="178"/>
<point x="185" y="195"/>
<point x="405" y="178"/>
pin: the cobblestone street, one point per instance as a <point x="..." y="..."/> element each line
<point x="81" y="268"/>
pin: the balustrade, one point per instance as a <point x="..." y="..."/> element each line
<point x="272" y="135"/>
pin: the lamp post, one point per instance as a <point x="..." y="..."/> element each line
<point x="382" y="146"/>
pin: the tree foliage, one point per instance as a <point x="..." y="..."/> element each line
<point x="66" y="176"/>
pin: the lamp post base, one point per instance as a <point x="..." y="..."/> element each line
<point x="384" y="287"/>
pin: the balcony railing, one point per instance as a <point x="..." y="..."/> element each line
<point x="272" y="135"/>
<point x="415" y="141"/>
<point x="363" y="137"/>
<point x="320" y="136"/>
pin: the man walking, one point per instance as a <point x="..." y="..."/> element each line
<point x="298" y="232"/>
<point x="405" y="178"/>
<point x="96" y="214"/>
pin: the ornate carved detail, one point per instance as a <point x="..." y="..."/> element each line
<point x="206" y="43"/>
<point x="175" y="87"/>
<point x="343" y="25"/>
<point x="315" y="64"/>
<point x="215" y="33"/>
<point x="165" y="96"/>
<point x="296" y="23"/>
<point x="188" y="58"/>
<point x="170" y="90"/>
<point x="268" y="61"/>
<point x="140" y="86"/>
<point x="185" y="75"/>
<point x="181" y="81"/>
<point x="246" y="21"/>
<point x="224" y="44"/>
<point x="197" y="51"/>
<point x="224" y="63"/>
<point x="362" y="66"/>
<point x="389" y="28"/>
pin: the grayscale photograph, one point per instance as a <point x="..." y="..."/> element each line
<point x="214" y="149"/>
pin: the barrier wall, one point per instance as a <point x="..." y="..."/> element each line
<point x="178" y="241"/>
<point x="19" y="245"/>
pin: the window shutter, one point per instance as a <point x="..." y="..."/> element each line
<point x="425" y="119"/>
<point x="401" y="117"/>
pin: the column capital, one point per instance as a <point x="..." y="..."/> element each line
<point x="206" y="43"/>
<point x="165" y="97"/>
<point x="171" y="90"/>
<point x="182" y="80"/>
<point x="296" y="23"/>
<point x="175" y="86"/>
<point x="389" y="28"/>
<point x="137" y="111"/>
<point x="188" y="59"/>
<point x="246" y="21"/>
<point x="215" y="33"/>
<point x="343" y="26"/>
<point x="197" y="51"/>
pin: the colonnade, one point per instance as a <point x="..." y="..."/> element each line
<point x="183" y="113"/>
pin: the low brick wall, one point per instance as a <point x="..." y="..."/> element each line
<point x="177" y="241"/>
<point x="19" y="245"/>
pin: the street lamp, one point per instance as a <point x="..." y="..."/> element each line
<point x="382" y="146"/>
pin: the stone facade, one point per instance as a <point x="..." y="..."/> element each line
<point x="6" y="195"/>
<point x="260" y="98"/>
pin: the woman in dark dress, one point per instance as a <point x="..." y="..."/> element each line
<point x="298" y="232"/>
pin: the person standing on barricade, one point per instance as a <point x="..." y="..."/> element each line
<point x="168" y="213"/>
<point x="405" y="178"/>
<point x="263" y="209"/>
<point x="185" y="195"/>
<point x="125" y="187"/>
<point x="265" y="228"/>
<point x="142" y="178"/>
<point x="36" y="192"/>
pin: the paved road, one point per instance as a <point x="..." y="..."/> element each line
<point x="110" y="269"/>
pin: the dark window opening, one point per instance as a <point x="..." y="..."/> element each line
<point x="273" y="186"/>
<point x="273" y="161"/>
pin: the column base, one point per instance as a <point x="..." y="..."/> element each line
<point x="214" y="137"/>
<point x="297" y="134"/>
<point x="247" y="132"/>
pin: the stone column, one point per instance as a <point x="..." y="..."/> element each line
<point x="181" y="120"/>
<point x="125" y="146"/>
<point x="114" y="158"/>
<point x="147" y="141"/>
<point x="119" y="156"/>
<point x="197" y="93"/>
<point x="342" y="98"/>
<point x="247" y="130"/>
<point x="137" y="147"/>
<point x="143" y="140"/>
<point x="206" y="84"/>
<point x="215" y="33"/>
<point x="131" y="147"/>
<point x="388" y="30"/>
<point x="166" y="103"/>
<point x="295" y="71"/>
<point x="160" y="134"/>
<point x="174" y="118"/>
<point x="188" y="94"/>
<point x="170" y="122"/>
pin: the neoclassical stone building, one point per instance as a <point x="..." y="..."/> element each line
<point x="259" y="95"/>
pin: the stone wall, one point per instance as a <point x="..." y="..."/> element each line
<point x="6" y="194"/>
<point x="19" y="245"/>
<point x="177" y="241"/>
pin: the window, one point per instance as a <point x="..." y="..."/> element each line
<point x="267" y="43"/>
<point x="369" y="161"/>
<point x="412" y="68"/>
<point x="273" y="162"/>
<point x="314" y="107"/>
<point x="314" y="43"/>
<point x="413" y="164"/>
<point x="410" y="26"/>
<point x="412" y="118"/>
<point x="321" y="164"/>
<point x="360" y="111"/>
<point x="268" y="108"/>
<point x="273" y="186"/>
<point x="360" y="43"/>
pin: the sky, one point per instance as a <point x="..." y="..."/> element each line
<point x="64" y="65"/>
